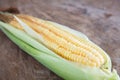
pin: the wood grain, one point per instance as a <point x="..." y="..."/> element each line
<point x="98" y="19"/>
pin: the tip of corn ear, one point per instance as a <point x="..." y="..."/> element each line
<point x="6" y="17"/>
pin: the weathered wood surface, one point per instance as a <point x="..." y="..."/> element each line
<point x="98" y="19"/>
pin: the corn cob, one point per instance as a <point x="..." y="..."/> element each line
<point x="62" y="43"/>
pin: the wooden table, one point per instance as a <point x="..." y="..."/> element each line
<point x="98" y="19"/>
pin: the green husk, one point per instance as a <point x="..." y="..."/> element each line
<point x="63" y="68"/>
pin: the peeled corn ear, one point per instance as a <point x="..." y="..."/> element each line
<point x="68" y="53"/>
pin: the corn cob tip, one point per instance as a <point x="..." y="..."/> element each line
<point x="6" y="17"/>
